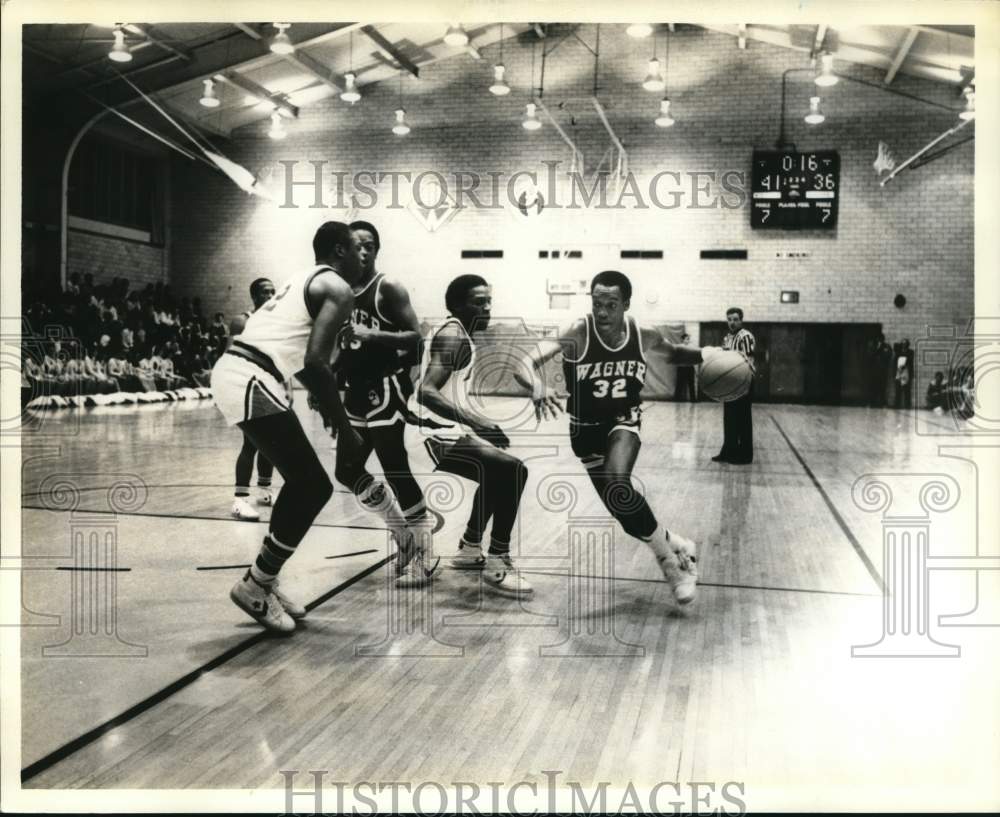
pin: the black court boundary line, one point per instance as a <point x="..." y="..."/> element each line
<point x="35" y="494"/>
<point x="188" y="516"/>
<point x="438" y="525"/>
<point x="75" y="745"/>
<point x="834" y="512"/>
<point x="702" y="584"/>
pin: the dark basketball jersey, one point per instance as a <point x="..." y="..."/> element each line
<point x="371" y="361"/>
<point x="605" y="383"/>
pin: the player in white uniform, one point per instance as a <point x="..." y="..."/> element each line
<point x="294" y="333"/>
<point x="472" y="450"/>
<point x="261" y="290"/>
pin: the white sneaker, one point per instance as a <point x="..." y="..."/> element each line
<point x="244" y="510"/>
<point x="679" y="568"/>
<point x="264" y="497"/>
<point x="293" y="608"/>
<point x="500" y="574"/>
<point x="468" y="557"/>
<point x="261" y="604"/>
<point x="417" y="570"/>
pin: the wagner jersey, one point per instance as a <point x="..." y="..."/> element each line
<point x="281" y="327"/>
<point x="605" y="383"/>
<point x="457" y="389"/>
<point x="373" y="361"/>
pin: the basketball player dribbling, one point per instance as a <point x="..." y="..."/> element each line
<point x="294" y="333"/>
<point x="604" y="364"/>
<point x="473" y="450"/>
<point x="261" y="291"/>
<point x="377" y="348"/>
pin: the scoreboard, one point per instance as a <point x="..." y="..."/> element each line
<point x="794" y="191"/>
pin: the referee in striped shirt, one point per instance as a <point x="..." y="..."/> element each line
<point x="737" y="424"/>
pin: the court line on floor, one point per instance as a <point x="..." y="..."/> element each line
<point x="189" y="516"/>
<point x="30" y="494"/>
<point x="702" y="584"/>
<point x="438" y="524"/>
<point x="833" y="511"/>
<point x="84" y="740"/>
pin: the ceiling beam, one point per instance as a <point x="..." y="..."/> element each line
<point x="901" y="52"/>
<point x="157" y="39"/>
<point x="314" y="67"/>
<point x="249" y="30"/>
<point x="539" y="30"/>
<point x="390" y="50"/>
<point x="246" y="84"/>
<point x="819" y="38"/>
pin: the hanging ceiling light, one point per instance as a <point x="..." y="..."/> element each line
<point x="639" y="30"/>
<point x="401" y="128"/>
<point x="277" y="130"/>
<point x="531" y="120"/>
<point x="815" y="115"/>
<point x="281" y="44"/>
<point x="350" y="92"/>
<point x="456" y="36"/>
<point x="825" y="76"/>
<point x="499" y="86"/>
<point x="208" y="98"/>
<point x="654" y="80"/>
<point x="970" y="105"/>
<point x="664" y="120"/>
<point x="119" y="52"/>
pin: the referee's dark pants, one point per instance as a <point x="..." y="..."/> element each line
<point x="737" y="430"/>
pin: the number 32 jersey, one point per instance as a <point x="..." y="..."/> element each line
<point x="605" y="383"/>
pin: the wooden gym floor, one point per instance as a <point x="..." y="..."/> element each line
<point x="148" y="677"/>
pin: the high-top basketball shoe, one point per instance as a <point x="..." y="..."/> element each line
<point x="258" y="602"/>
<point x="679" y="567"/>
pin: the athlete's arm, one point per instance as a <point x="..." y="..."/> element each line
<point x="332" y="302"/>
<point x="236" y="327"/>
<point x="447" y="349"/>
<point x="653" y="341"/>
<point x="570" y="343"/>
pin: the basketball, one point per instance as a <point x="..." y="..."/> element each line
<point x="726" y="376"/>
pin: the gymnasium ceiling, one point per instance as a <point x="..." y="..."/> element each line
<point x="67" y="71"/>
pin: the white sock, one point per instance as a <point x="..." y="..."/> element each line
<point x="387" y="507"/>
<point x="658" y="542"/>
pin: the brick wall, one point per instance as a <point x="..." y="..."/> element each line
<point x="914" y="236"/>
<point x="107" y="257"/>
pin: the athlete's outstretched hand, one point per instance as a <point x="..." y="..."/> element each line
<point x="492" y="433"/>
<point x="547" y="408"/>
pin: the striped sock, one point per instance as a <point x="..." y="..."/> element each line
<point x="263" y="482"/>
<point x="271" y="558"/>
<point x="242" y="491"/>
<point x="499" y="547"/>
<point x="473" y="537"/>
